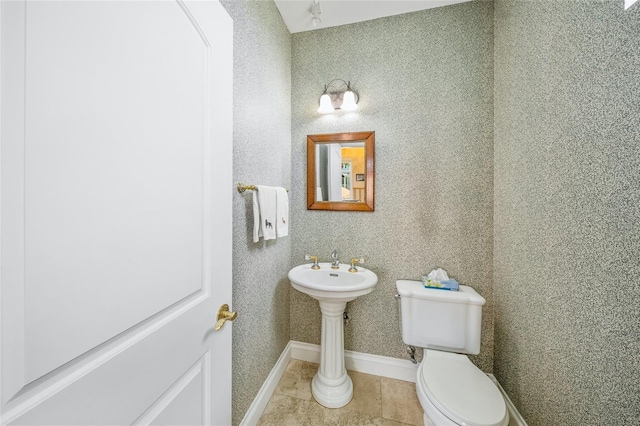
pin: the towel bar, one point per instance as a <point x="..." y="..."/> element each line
<point x="242" y="187"/>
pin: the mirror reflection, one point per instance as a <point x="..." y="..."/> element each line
<point x="340" y="171"/>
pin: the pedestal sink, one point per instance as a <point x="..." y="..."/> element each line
<point x="332" y="288"/>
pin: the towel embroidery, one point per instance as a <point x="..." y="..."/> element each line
<point x="268" y="224"/>
<point x="284" y="222"/>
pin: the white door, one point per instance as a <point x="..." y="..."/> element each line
<point x="334" y="170"/>
<point x="115" y="212"/>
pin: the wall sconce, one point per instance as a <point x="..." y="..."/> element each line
<point x="338" y="95"/>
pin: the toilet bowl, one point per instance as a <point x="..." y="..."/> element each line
<point x="453" y="391"/>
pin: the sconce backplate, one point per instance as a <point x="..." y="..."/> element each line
<point x="336" y="89"/>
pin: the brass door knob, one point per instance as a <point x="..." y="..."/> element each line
<point x="224" y="315"/>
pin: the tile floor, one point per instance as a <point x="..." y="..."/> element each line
<point x="376" y="401"/>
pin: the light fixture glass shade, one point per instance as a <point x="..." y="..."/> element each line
<point x="325" y="104"/>
<point x="349" y="101"/>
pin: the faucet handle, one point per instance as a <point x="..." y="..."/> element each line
<point x="335" y="263"/>
<point x="315" y="261"/>
<point x="353" y="263"/>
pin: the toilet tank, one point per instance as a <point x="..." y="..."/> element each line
<point x="440" y="319"/>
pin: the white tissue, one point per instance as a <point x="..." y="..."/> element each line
<point x="438" y="275"/>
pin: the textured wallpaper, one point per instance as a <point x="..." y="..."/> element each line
<point x="567" y="210"/>
<point x="261" y="156"/>
<point x="425" y="81"/>
<point x="532" y="198"/>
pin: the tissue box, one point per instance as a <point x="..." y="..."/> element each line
<point x="451" y="285"/>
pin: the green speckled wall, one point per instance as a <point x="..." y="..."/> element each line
<point x="426" y="87"/>
<point x="510" y="159"/>
<point x="261" y="156"/>
<point x="567" y="210"/>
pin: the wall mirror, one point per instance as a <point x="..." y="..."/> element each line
<point x="340" y="173"/>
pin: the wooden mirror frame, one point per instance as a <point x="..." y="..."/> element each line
<point x="312" y="140"/>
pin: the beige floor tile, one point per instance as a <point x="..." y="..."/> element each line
<point x="400" y="402"/>
<point x="319" y="415"/>
<point x="296" y="380"/>
<point x="367" y="397"/>
<point x="376" y="401"/>
<point x="284" y="410"/>
<point x="387" y="422"/>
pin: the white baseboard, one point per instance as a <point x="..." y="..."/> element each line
<point x="515" y="419"/>
<point x="261" y="400"/>
<point x="377" y="365"/>
<point x="305" y="351"/>
<point x="394" y="368"/>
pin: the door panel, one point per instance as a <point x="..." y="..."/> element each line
<point x="136" y="185"/>
<point x="114" y="262"/>
<point x="183" y="403"/>
<point x="123" y="383"/>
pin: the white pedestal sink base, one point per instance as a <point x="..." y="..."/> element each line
<point x="331" y="386"/>
<point x="332" y="396"/>
<point x="332" y="288"/>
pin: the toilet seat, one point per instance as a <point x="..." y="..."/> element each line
<point x="460" y="391"/>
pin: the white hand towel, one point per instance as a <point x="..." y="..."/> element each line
<point x="257" y="229"/>
<point x="267" y="209"/>
<point x="282" y="212"/>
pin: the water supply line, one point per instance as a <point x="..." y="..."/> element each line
<point x="411" y="350"/>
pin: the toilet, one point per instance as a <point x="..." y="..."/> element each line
<point x="451" y="390"/>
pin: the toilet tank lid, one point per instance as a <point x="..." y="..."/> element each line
<point x="466" y="295"/>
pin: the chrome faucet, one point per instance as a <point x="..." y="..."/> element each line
<point x="335" y="263"/>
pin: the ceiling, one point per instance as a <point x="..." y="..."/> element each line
<point x="297" y="13"/>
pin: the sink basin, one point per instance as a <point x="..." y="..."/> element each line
<point x="326" y="284"/>
<point x="332" y="288"/>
